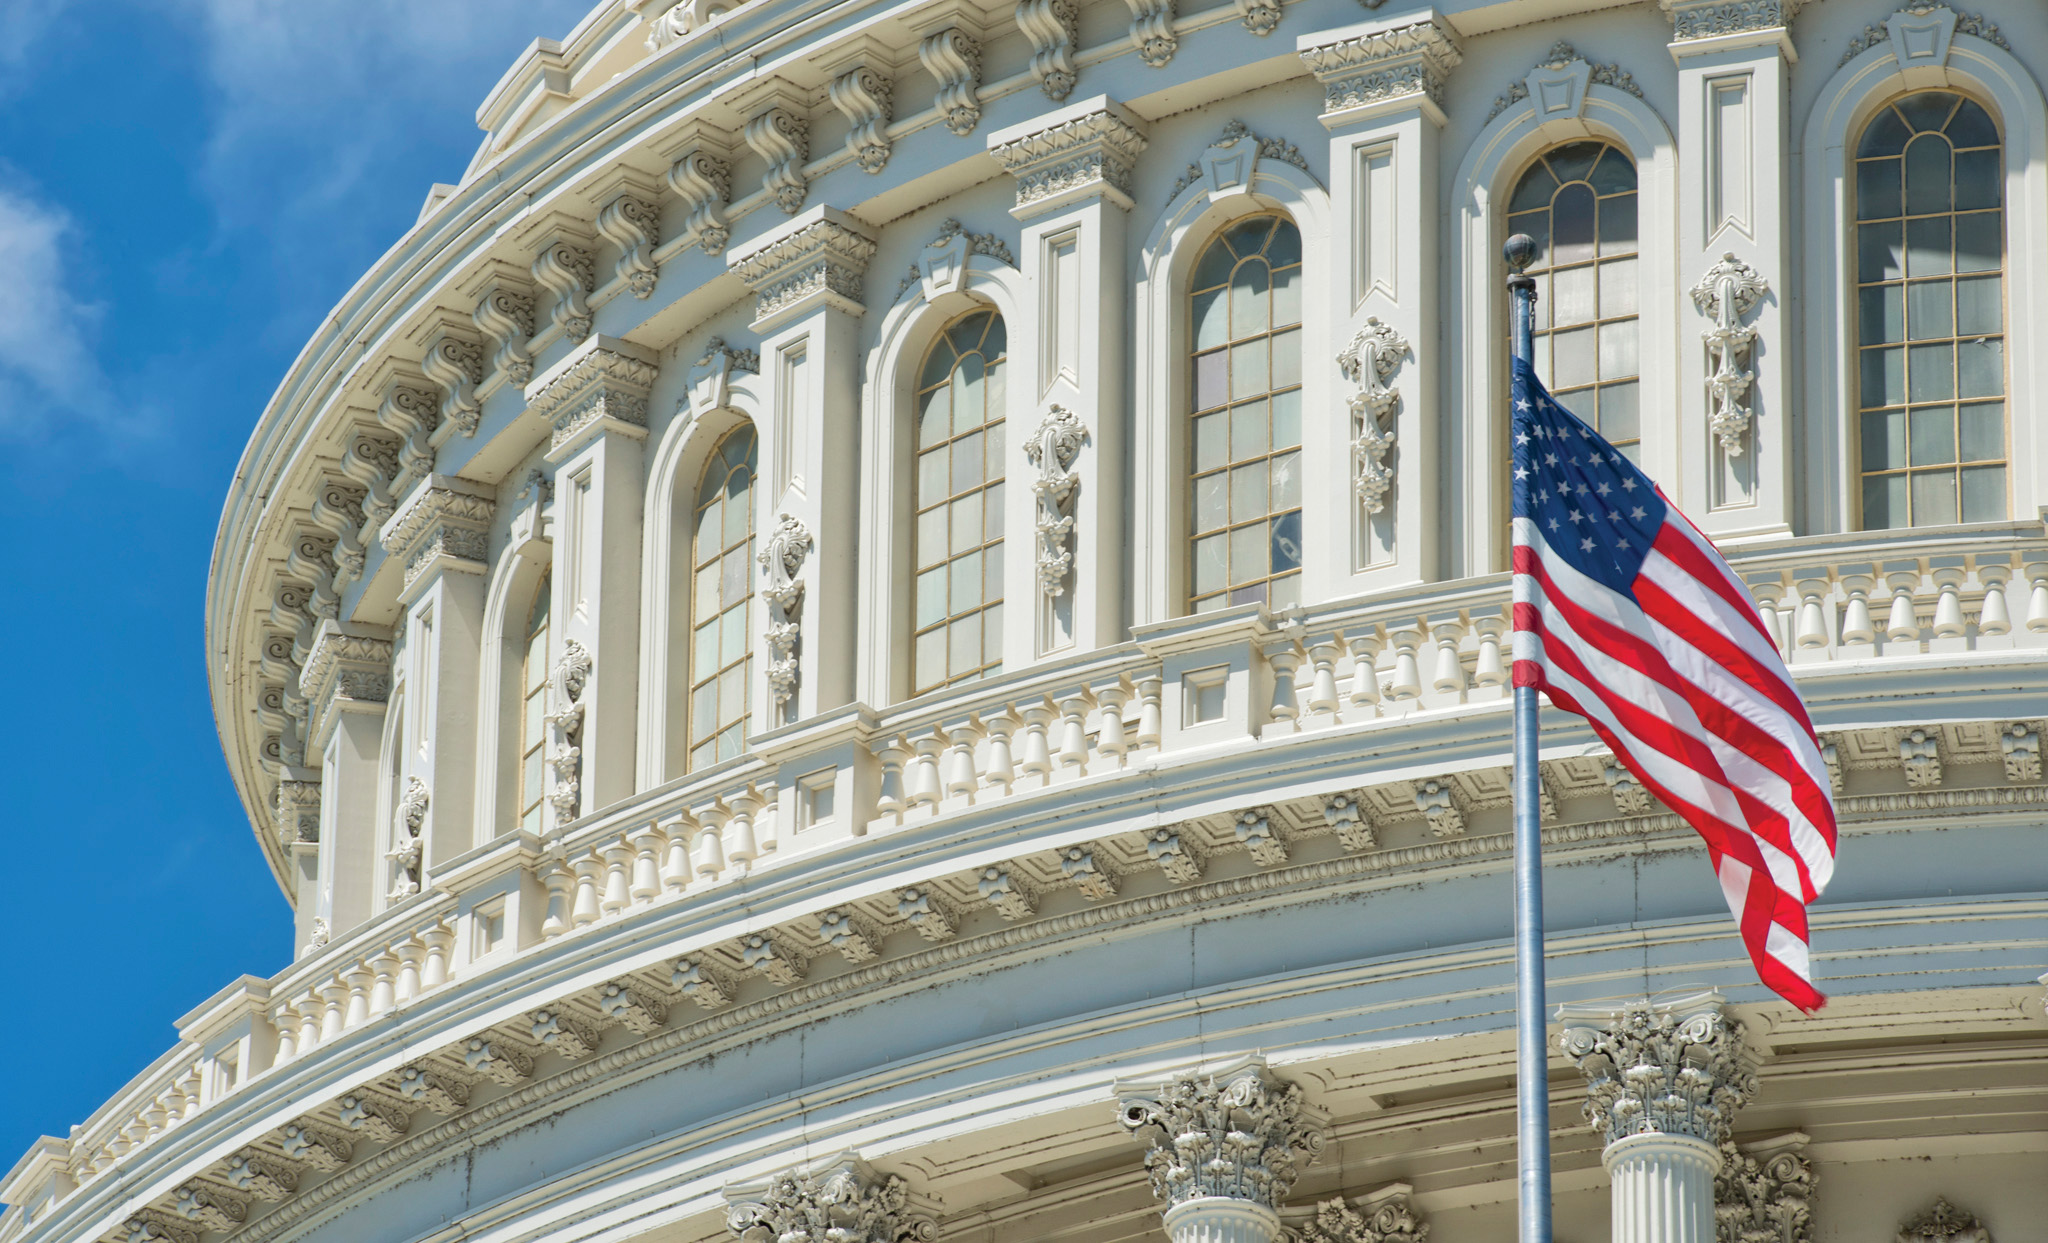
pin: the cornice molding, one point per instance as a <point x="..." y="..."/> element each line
<point x="1369" y="70"/>
<point x="819" y="260"/>
<point x="444" y="524"/>
<point x="348" y="668"/>
<point x="1084" y="151"/>
<point x="601" y="386"/>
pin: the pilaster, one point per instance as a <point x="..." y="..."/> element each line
<point x="595" y="403"/>
<point x="1073" y="170"/>
<point x="1664" y="1081"/>
<point x="346" y="682"/>
<point x="1383" y="86"/>
<point x="1735" y="435"/>
<point x="809" y="281"/>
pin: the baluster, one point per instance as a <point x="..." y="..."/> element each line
<point x="892" y="801"/>
<point x="1322" y="685"/>
<point x="559" y="880"/>
<point x="1449" y="675"/>
<point x="1812" y="629"/>
<point x="312" y="1015"/>
<point x="286" y="1019"/>
<point x="647" y="844"/>
<point x="1856" y="622"/>
<point x="1283" y="658"/>
<point x="1073" y="751"/>
<point x="618" y="871"/>
<point x="1768" y="591"/>
<point x="741" y="846"/>
<point x="1036" y="759"/>
<point x="1992" y="617"/>
<point x="384" y="984"/>
<point x="1111" y="738"/>
<point x="358" y="979"/>
<point x="589" y="874"/>
<point x="675" y="873"/>
<point x="1948" y="605"/>
<point x="1407" y="680"/>
<point x="1001" y="771"/>
<point x="1902" y="626"/>
<point x="767" y="823"/>
<point x="710" y="840"/>
<point x="1365" y="674"/>
<point x="335" y="996"/>
<point x="154" y="1118"/>
<point x="440" y="941"/>
<point x="1487" y="667"/>
<point x="1151" y="715"/>
<point x="959" y="763"/>
<point x="410" y="952"/>
<point x="2037" y="598"/>
<point x="924" y="770"/>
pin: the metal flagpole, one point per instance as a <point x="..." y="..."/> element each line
<point x="1532" y="1054"/>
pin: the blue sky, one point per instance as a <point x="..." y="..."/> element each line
<point x="186" y="188"/>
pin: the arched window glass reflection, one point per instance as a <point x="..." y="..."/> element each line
<point x="958" y="538"/>
<point x="533" y="709"/>
<point x="721" y="590"/>
<point x="1579" y="202"/>
<point x="1930" y="314"/>
<point x="1245" y="439"/>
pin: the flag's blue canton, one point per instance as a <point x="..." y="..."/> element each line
<point x="1595" y="509"/>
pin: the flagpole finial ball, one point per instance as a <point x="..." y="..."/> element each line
<point x="1520" y="252"/>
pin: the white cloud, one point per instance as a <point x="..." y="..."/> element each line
<point x="47" y="368"/>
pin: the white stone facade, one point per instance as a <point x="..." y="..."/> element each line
<point x="775" y="718"/>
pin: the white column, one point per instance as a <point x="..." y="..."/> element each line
<point x="1381" y="83"/>
<point x="1071" y="346"/>
<point x="1733" y="460"/>
<point x="346" y="682"/>
<point x="1664" y="1081"/>
<point x="595" y="403"/>
<point x="808" y="280"/>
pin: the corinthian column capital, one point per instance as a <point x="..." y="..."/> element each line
<point x="1238" y="1133"/>
<point x="1670" y="1068"/>
<point x="841" y="1199"/>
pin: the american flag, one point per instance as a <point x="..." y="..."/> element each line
<point x="1626" y="615"/>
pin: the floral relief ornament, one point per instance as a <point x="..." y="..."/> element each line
<point x="1392" y="1220"/>
<point x="1943" y="1223"/>
<point x="565" y="728"/>
<point x="842" y="1201"/>
<point x="1653" y="1069"/>
<point x="1730" y="290"/>
<point x="1238" y="1133"/>
<point x="1052" y="449"/>
<point x="1372" y="357"/>
<point x="782" y="560"/>
<point x="1763" y="1199"/>
<point x="405" y="848"/>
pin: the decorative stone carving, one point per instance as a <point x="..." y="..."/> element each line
<point x="1053" y="26"/>
<point x="1012" y="896"/>
<point x="565" y="729"/>
<point x="1052" y="449"/>
<point x="867" y="100"/>
<point x="405" y="839"/>
<point x="372" y="461"/>
<point x="442" y="1093"/>
<point x="710" y="379"/>
<point x="1385" y="1218"/>
<point x="1831" y="757"/>
<point x="781" y="136"/>
<point x="632" y="1007"/>
<point x="262" y="1176"/>
<point x="298" y="809"/>
<point x="413" y="413"/>
<point x="214" y="1209"/>
<point x="1345" y="813"/>
<point x="852" y="935"/>
<point x="633" y="224"/>
<point x="1258" y="831"/>
<point x="1920" y="755"/>
<point x="456" y="365"/>
<point x="1239" y="1133"/>
<point x="497" y="1060"/>
<point x="1712" y="19"/>
<point x="1439" y="805"/>
<point x="1899" y="28"/>
<point x="1367" y="71"/>
<point x="953" y="57"/>
<point x="345" y="666"/>
<point x="782" y="560"/>
<point x="559" y="1031"/>
<point x="1228" y="164"/>
<point x="704" y="182"/>
<point x="1561" y="63"/>
<point x="375" y="1117"/>
<point x="1261" y="17"/>
<point x="150" y="1228"/>
<point x="1092" y="154"/>
<point x="774" y="958"/>
<point x="841" y="1199"/>
<point x="1943" y="1223"/>
<point x="1089" y="871"/>
<point x="1630" y="798"/>
<point x="446" y="523"/>
<point x="605" y="388"/>
<point x="569" y="271"/>
<point x="1676" y="1069"/>
<point x="1729" y="291"/>
<point x="1764" y="1197"/>
<point x="703" y="982"/>
<point x="923" y="909"/>
<point x="2019" y="745"/>
<point x="318" y="1147"/>
<point x="1373" y="356"/>
<point x="941" y="266"/>
<point x="1176" y="854"/>
<point x="505" y="316"/>
<point x="823" y="262"/>
<point x="1152" y="31"/>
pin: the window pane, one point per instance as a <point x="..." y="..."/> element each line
<point x="1574" y="217"/>
<point x="1884" y="440"/>
<point x="1618" y="225"/>
<point x="704" y="594"/>
<point x="1287" y="359"/>
<point x="1573" y="358"/>
<point x="1878" y="196"/>
<point x="1927" y="247"/>
<point x="1982" y="436"/>
<point x="732" y="636"/>
<point x="963" y="641"/>
<point x="1618" y="349"/>
<point x="931" y="596"/>
<point x="1884" y="377"/>
<point x="1212" y="440"/>
<point x="1575" y="290"/>
<point x="1934" y="497"/>
<point x="1880" y="252"/>
<point x="1286" y="542"/>
<point x="1934" y="436"/>
<point x="1929" y="310"/>
<point x="1212" y="379"/>
<point x="931" y="536"/>
<point x="992" y="521"/>
<point x="1927" y="175"/>
<point x="1983" y="493"/>
<point x="1284" y="248"/>
<point x="1619" y="420"/>
<point x="967" y="462"/>
<point x="1248" y="431"/>
<point x="1618" y="287"/>
<point x="1248" y="491"/>
<point x="1212" y="319"/>
<point x="1980" y="306"/>
<point x="1248" y="374"/>
<point x="1212" y="563"/>
<point x="1981" y="367"/>
<point x="1884" y="501"/>
<point x="1249" y="307"/>
<point x="1977" y="181"/>
<point x="1979" y="244"/>
<point x="1248" y="553"/>
<point x="1536" y="187"/>
<point x="1880" y="314"/>
<point x="931" y="477"/>
<point x="1287" y="419"/>
<point x="1212" y="501"/>
<point x="705" y="652"/>
<point x="929" y="659"/>
<point x="1286" y="297"/>
<point x="1887" y="135"/>
<point x="966" y="523"/>
<point x="1287" y="481"/>
<point x="1931" y="372"/>
<point x="966" y="574"/>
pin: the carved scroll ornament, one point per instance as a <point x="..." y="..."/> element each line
<point x="788" y="545"/>
<point x="1369" y="361"/>
<point x="1730" y="290"/>
<point x="565" y="728"/>
<point x="1052" y="449"/>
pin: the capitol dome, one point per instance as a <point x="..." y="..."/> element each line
<point x="888" y="626"/>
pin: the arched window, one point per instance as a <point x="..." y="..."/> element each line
<point x="1579" y="202"/>
<point x="1245" y="443"/>
<point x="958" y="537"/>
<point x="1930" y="314"/>
<point x="721" y="593"/>
<point x="533" y="710"/>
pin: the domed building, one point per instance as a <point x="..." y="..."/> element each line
<point x="888" y="626"/>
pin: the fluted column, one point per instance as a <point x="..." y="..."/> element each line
<point x="1224" y="1148"/>
<point x="1664" y="1080"/>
